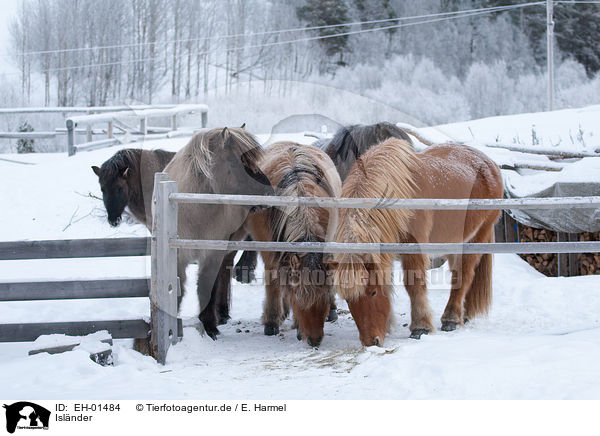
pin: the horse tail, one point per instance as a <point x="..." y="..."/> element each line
<point x="479" y="297"/>
<point x="350" y="276"/>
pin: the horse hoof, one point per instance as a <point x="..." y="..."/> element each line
<point x="448" y="326"/>
<point x="332" y="316"/>
<point x="465" y="320"/>
<point x="213" y="333"/>
<point x="223" y="319"/>
<point x="298" y="335"/>
<point x="417" y="333"/>
<point x="271" y="330"/>
<point x="244" y="275"/>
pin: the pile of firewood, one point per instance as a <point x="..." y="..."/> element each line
<point x="547" y="263"/>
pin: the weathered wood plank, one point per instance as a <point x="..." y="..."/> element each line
<point x="393" y="203"/>
<point x="63" y="290"/>
<point x="118" y="329"/>
<point x="62" y="348"/>
<point x="66" y="248"/>
<point x="511" y="229"/>
<point x="163" y="292"/>
<point x="437" y="249"/>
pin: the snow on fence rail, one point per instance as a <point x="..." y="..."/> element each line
<point x="85" y="289"/>
<point x="140" y="115"/>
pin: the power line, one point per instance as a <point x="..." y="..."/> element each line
<point x="280" y="31"/>
<point x="306" y="39"/>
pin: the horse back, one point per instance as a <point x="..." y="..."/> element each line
<point x="456" y="171"/>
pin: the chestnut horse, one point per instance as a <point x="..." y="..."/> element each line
<point x="393" y="170"/>
<point x="299" y="279"/>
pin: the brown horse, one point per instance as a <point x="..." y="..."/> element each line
<point x="297" y="279"/>
<point x="393" y="170"/>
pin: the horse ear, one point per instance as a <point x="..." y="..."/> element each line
<point x="295" y="261"/>
<point x="224" y="132"/>
<point x="96" y="170"/>
<point x="243" y="126"/>
<point x="125" y="172"/>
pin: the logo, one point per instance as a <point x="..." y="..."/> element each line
<point x="26" y="415"/>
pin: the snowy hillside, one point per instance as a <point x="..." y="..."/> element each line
<point x="541" y="340"/>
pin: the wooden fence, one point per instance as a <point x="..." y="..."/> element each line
<point x="142" y="116"/>
<point x="116" y="119"/>
<point x="158" y="336"/>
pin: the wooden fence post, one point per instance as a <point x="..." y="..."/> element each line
<point x="510" y="228"/>
<point x="70" y="137"/>
<point x="110" y="130"/>
<point x="163" y="290"/>
<point x="573" y="257"/>
<point x="144" y="127"/>
<point x="204" y="119"/>
<point x="174" y="122"/>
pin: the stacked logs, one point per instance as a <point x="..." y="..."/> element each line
<point x="547" y="263"/>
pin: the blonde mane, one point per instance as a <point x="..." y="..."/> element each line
<point x="198" y="153"/>
<point x="393" y="157"/>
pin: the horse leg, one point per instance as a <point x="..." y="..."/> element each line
<point x="272" y="312"/>
<point x="209" y="285"/>
<point x="332" y="315"/>
<point x="414" y="267"/>
<point x="463" y="272"/>
<point x="224" y="291"/>
<point x="244" y="269"/>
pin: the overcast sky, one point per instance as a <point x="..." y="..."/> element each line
<point x="8" y="9"/>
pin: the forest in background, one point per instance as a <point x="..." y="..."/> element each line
<point x="256" y="53"/>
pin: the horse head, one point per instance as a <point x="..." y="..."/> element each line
<point x="114" y="176"/>
<point x="235" y="158"/>
<point x="309" y="289"/>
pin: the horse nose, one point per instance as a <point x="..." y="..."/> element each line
<point x="376" y="341"/>
<point x="314" y="342"/>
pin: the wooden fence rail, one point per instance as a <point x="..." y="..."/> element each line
<point x="86" y="289"/>
<point x="393" y="203"/>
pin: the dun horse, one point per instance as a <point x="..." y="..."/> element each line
<point x="219" y="161"/>
<point x="393" y="170"/>
<point x="127" y="180"/>
<point x="297" y="279"/>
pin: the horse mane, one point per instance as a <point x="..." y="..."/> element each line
<point x="122" y="159"/>
<point x="351" y="142"/>
<point x="199" y="151"/>
<point x="299" y="175"/>
<point x="302" y="171"/>
<point x="398" y="162"/>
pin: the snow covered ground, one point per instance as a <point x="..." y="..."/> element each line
<point x="541" y="339"/>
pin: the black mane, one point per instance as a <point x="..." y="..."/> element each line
<point x="350" y="142"/>
<point x="127" y="158"/>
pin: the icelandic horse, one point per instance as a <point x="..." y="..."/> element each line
<point x="392" y="169"/>
<point x="302" y="280"/>
<point x="217" y="161"/>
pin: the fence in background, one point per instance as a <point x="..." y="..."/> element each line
<point x="117" y="120"/>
